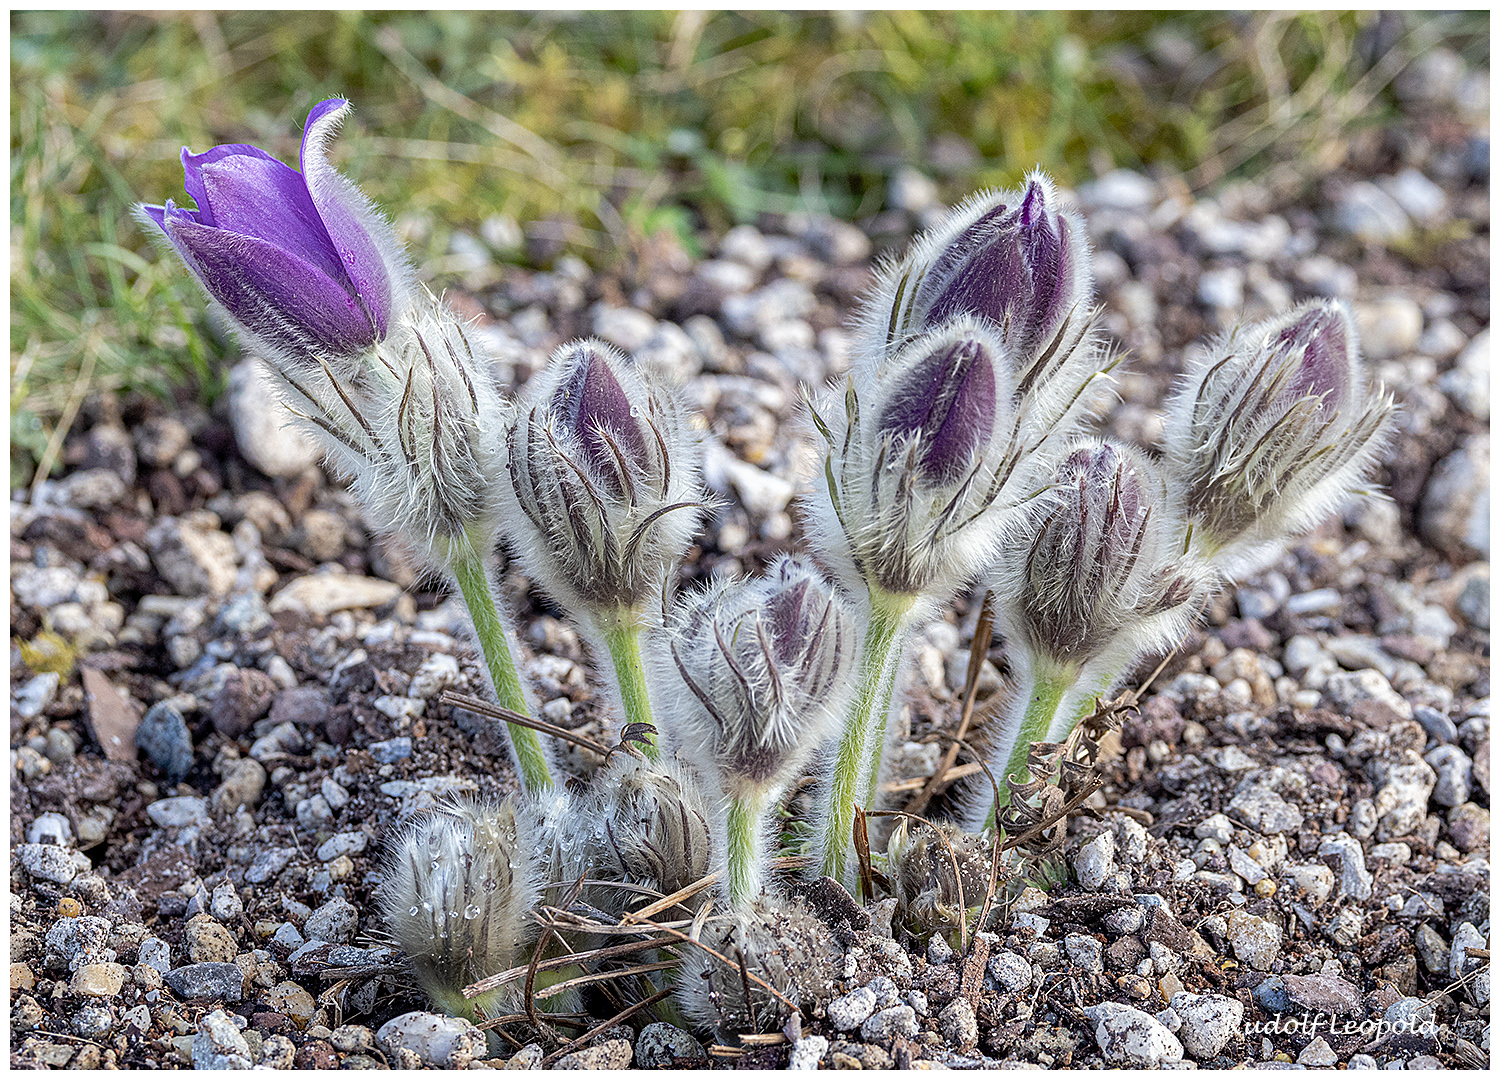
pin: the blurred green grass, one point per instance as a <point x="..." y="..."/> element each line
<point x="593" y="130"/>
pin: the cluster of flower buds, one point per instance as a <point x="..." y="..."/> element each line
<point x="1272" y="429"/>
<point x="765" y="667"/>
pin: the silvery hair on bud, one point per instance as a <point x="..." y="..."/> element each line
<point x="1272" y="428"/>
<point x="458" y="888"/>
<point x="777" y="940"/>
<point x="921" y="469"/>
<point x="649" y="827"/>
<point x="1020" y="263"/>
<point x="602" y="480"/>
<point x="419" y="424"/>
<point x="759" y="672"/>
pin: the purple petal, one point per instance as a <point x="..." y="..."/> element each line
<point x="948" y="401"/>
<point x="267" y="200"/>
<point x="272" y="292"/>
<point x="784" y="617"/>
<point x="192" y="179"/>
<point x="594" y="405"/>
<point x="1325" y="368"/>
<point x="345" y="213"/>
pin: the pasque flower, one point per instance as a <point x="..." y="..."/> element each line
<point x="1272" y="428"/>
<point x="765" y="667"/>
<point x="301" y="261"/>
<point x="1094" y="578"/>
<point x="603" y="472"/>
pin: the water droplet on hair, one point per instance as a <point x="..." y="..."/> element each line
<point x="472" y="911"/>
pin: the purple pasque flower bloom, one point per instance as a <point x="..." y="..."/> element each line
<point x="300" y="260"/>
<point x="1272" y="429"/>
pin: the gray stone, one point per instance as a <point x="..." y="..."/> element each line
<point x="439" y="1041"/>
<point x="958" y="1024"/>
<point x="1130" y="1037"/>
<point x="1453" y="768"/>
<point x="1355" y="881"/>
<point x="163" y="734"/>
<point x="887" y="1024"/>
<point x="1255" y="941"/>
<point x="1095" y="861"/>
<point x="1363" y="1061"/>
<point x="391" y="750"/>
<point x="1467" y="383"/>
<point x="1365" y="212"/>
<point x="1119" y="189"/>
<point x="35" y="694"/>
<point x="1318" y="1055"/>
<point x="938" y="950"/>
<point x="50" y="828"/>
<point x="807" y="1052"/>
<point x="1436" y="723"/>
<point x="853" y="1009"/>
<point x="1323" y="993"/>
<point x="219" y="1044"/>
<point x="207" y="982"/>
<point x="1346" y="689"/>
<point x="93" y="1021"/>
<point x="887" y="993"/>
<point x="155" y="953"/>
<point x="1424" y="202"/>
<point x="1265" y="811"/>
<point x="335" y="921"/>
<point x="665" y="1046"/>
<point x="267" y="864"/>
<point x="610" y="1054"/>
<point x="192" y="554"/>
<point x="264" y="428"/>
<point x="1323" y="276"/>
<point x="52" y="863"/>
<point x="1209" y="1022"/>
<point x="1271" y="995"/>
<point x="1455" y="513"/>
<point x="345" y="843"/>
<point x="179" y="811"/>
<point x="1011" y="972"/>
<point x="1459" y="962"/>
<point x="323" y="594"/>
<point x="1401" y="802"/>
<point x="1086" y="951"/>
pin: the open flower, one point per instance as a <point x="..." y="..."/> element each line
<point x="605" y="474"/>
<point x="1272" y="429"/>
<point x="301" y="261"/>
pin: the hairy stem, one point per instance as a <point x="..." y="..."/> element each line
<point x="1046" y="687"/>
<point x="857" y="762"/>
<point x="525" y="744"/>
<point x="622" y="637"/>
<point x="744" y="850"/>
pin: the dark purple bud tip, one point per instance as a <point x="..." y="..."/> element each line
<point x="946" y="402"/>
<point x="594" y="405"/>
<point x="785" y="613"/>
<point x="1325" y="369"/>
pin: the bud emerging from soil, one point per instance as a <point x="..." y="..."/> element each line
<point x="1272" y="429"/>
<point x="456" y="895"/>
<point x="928" y="897"/>
<point x="782" y="944"/>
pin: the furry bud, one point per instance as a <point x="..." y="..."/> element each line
<point x="1098" y="563"/>
<point x="650" y="827"/>
<point x="456" y="894"/>
<point x="604" y="474"/>
<point x="919" y="466"/>
<point x="1271" y="430"/>
<point x="928" y="897"/>
<point x="764" y="666"/>
<point x="782" y="943"/>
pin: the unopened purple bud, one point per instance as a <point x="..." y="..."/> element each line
<point x="946" y="402"/>
<point x="592" y="403"/>
<point x="299" y="259"/>
<point x="1323" y="371"/>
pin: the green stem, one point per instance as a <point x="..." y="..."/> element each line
<point x="1048" y="685"/>
<point x="743" y="845"/>
<point x="622" y="637"/>
<point x="525" y="744"/>
<point x="857" y="764"/>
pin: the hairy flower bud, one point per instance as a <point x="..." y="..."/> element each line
<point x="456" y="893"/>
<point x="301" y="261"/>
<point x="782" y="946"/>
<point x="1271" y="430"/>
<point x="920" y="465"/>
<point x="604" y="472"/>
<point x="1013" y="261"/>
<point x="930" y="899"/>
<point x="650" y="827"/>
<point x="764" y="665"/>
<point x="1098" y="573"/>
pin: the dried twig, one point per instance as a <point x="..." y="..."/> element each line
<point x="510" y="716"/>
<point x="619" y="1017"/>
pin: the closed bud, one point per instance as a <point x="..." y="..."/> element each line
<point x="650" y="827"/>
<point x="930" y="898"/>
<point x="774" y="957"/>
<point x="1272" y="429"/>
<point x="921" y="465"/>
<point x="456" y="894"/>
<point x="604" y="471"/>
<point x="1092" y="569"/>
<point x="763" y="667"/>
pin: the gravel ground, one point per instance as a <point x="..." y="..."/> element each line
<point x="1298" y="821"/>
